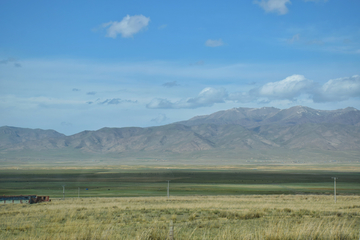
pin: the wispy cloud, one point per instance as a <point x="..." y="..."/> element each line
<point x="90" y="93"/>
<point x="294" y="38"/>
<point x="214" y="43"/>
<point x="65" y="124"/>
<point x="170" y="84"/>
<point x="278" y="6"/>
<point x="36" y="102"/>
<point x="8" y="60"/>
<point x="315" y="42"/>
<point x="198" y="63"/>
<point x="160" y="118"/>
<point x="127" y="27"/>
<point x="162" y="26"/>
<point x="315" y="0"/>
<point x="206" y="98"/>
<point x="75" y="90"/>
<point x="115" y="101"/>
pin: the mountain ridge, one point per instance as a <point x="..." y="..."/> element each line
<point x="237" y="130"/>
<point x="253" y="117"/>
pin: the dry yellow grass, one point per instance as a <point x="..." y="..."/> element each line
<point x="199" y="217"/>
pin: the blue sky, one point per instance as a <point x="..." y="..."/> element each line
<point x="83" y="65"/>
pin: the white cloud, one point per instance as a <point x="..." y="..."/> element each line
<point x="289" y="88"/>
<point x="297" y="87"/>
<point x="206" y="98"/>
<point x="278" y="6"/>
<point x="127" y="27"/>
<point x="339" y="89"/>
<point x="214" y="43"/>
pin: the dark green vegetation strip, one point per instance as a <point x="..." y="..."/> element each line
<point x="153" y="182"/>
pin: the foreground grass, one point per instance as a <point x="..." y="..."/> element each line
<point x="196" y="217"/>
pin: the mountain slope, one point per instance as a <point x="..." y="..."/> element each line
<point x="14" y="135"/>
<point x="253" y="117"/>
<point x="265" y="131"/>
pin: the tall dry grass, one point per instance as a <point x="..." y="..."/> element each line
<point x="200" y="217"/>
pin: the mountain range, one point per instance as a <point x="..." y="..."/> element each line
<point x="237" y="133"/>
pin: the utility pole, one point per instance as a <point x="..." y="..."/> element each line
<point x="63" y="192"/>
<point x="334" y="188"/>
<point x="168" y="189"/>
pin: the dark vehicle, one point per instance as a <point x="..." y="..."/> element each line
<point x="24" y="199"/>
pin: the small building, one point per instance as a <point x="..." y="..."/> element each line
<point x="24" y="199"/>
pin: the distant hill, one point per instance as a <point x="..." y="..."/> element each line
<point x="236" y="133"/>
<point x="12" y="136"/>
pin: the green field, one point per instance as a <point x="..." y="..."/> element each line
<point x="184" y="181"/>
<point x="223" y="202"/>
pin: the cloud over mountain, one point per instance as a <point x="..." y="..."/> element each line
<point x="289" y="88"/>
<point x="206" y="98"/>
<point x="339" y="89"/>
<point x="160" y="118"/>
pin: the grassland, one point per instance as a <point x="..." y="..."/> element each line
<point x="216" y="202"/>
<point x="194" y="217"/>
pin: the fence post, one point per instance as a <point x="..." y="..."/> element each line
<point x="171" y="230"/>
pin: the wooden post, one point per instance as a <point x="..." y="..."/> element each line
<point x="78" y="192"/>
<point x="171" y="230"/>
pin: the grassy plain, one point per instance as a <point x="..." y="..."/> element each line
<point x="128" y="181"/>
<point x="195" y="217"/>
<point x="217" y="202"/>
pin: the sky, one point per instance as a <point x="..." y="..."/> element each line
<point x="84" y="65"/>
